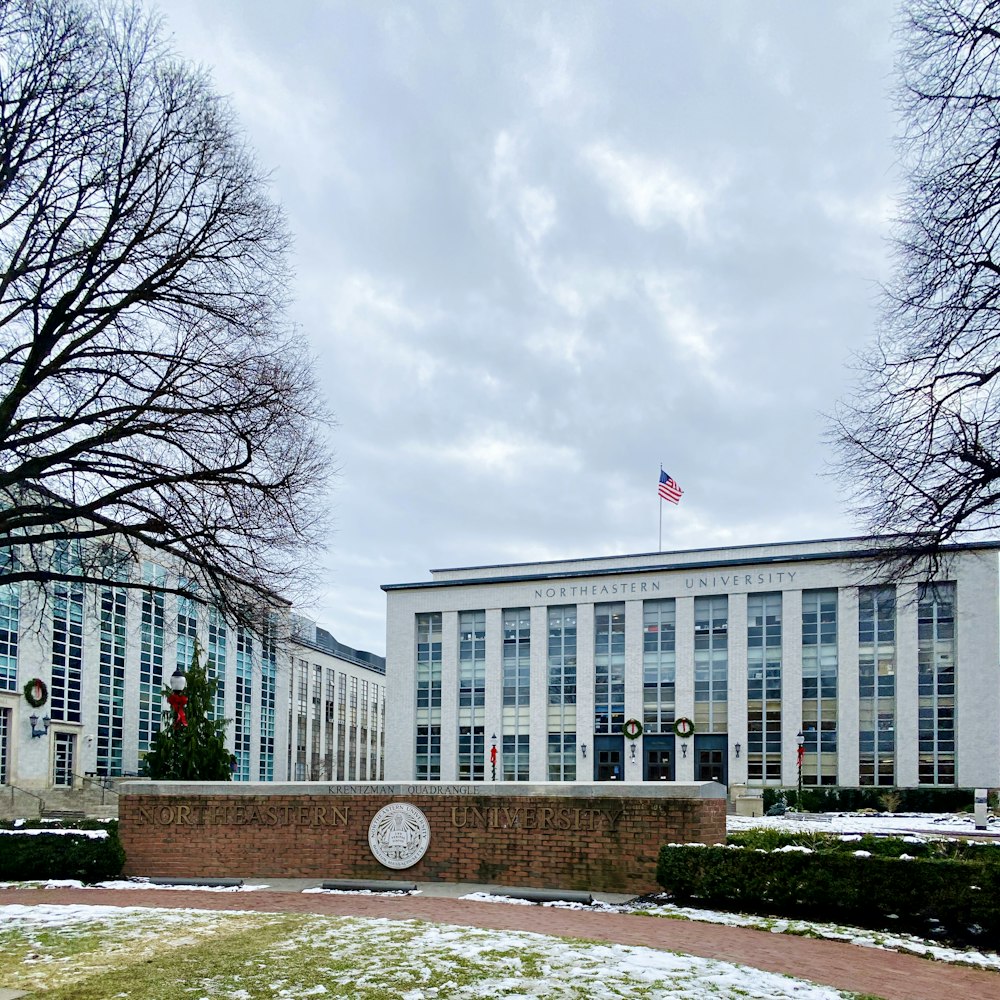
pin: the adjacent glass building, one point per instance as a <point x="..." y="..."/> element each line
<point x="700" y="665"/>
<point x="103" y="655"/>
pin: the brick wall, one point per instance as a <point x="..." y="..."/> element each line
<point x="600" y="844"/>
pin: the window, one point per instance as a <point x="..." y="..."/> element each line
<point x="471" y="694"/>
<point x="515" y="756"/>
<point x="268" y="687"/>
<point x="216" y="662"/>
<point x="150" y="655"/>
<point x="562" y="693"/>
<point x="659" y="665"/>
<point x="562" y="757"/>
<point x="609" y="667"/>
<point x="111" y="682"/>
<point x="516" y="692"/>
<point x="877" y="685"/>
<point x="67" y="638"/>
<point x="242" y="721"/>
<point x="936" y="684"/>
<point x="764" y="687"/>
<point x="428" y="718"/>
<point x="711" y="663"/>
<point x="9" y="608"/>
<point x="819" y="686"/>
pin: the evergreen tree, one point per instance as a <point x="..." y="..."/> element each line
<point x="196" y="751"/>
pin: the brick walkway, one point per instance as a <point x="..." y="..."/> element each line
<point x="833" y="963"/>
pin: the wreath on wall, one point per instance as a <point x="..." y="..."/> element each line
<point x="36" y="693"/>
<point x="632" y="729"/>
<point x="683" y="727"/>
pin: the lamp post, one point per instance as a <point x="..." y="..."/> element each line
<point x="800" y="740"/>
<point x="493" y="757"/>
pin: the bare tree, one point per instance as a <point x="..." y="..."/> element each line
<point x="152" y="392"/>
<point x="920" y="440"/>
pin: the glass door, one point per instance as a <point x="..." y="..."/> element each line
<point x="65" y="750"/>
<point x="709" y="765"/>
<point x="658" y="766"/>
<point x="4" y="744"/>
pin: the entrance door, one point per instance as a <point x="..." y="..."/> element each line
<point x="609" y="765"/>
<point x="4" y="743"/>
<point x="658" y="765"/>
<point x="65" y="750"/>
<point x="708" y="766"/>
<point x="710" y="758"/>
<point x="609" y="754"/>
<point x="658" y="758"/>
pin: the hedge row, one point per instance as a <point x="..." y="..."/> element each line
<point x="769" y="839"/>
<point x="30" y="856"/>
<point x="955" y="900"/>
<point x="832" y="798"/>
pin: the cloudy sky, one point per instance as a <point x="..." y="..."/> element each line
<point x="542" y="248"/>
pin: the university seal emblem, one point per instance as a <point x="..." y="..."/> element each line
<point x="399" y="835"/>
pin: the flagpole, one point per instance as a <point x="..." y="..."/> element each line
<point x="659" y="544"/>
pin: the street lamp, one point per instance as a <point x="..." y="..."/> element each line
<point x="35" y="730"/>
<point x="177" y="699"/>
<point x="800" y="740"/>
<point x="493" y="757"/>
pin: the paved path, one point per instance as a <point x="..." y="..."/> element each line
<point x="833" y="963"/>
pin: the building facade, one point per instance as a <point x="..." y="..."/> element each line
<point x="336" y="710"/>
<point x="95" y="660"/>
<point x="699" y="665"/>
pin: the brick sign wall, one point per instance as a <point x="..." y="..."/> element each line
<point x="596" y="842"/>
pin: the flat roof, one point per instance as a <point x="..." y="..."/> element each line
<point x="858" y="547"/>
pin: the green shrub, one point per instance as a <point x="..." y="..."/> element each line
<point x="769" y="839"/>
<point x="833" y="798"/>
<point x="956" y="899"/>
<point x="31" y="856"/>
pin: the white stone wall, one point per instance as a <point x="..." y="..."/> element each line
<point x="788" y="568"/>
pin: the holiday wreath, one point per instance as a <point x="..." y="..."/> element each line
<point x="36" y="693"/>
<point x="632" y="729"/>
<point x="683" y="727"/>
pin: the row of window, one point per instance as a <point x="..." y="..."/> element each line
<point x="818" y="699"/>
<point x="338" y="726"/>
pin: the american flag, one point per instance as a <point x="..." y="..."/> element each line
<point x="669" y="490"/>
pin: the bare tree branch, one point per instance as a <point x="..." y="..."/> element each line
<point x="152" y="393"/>
<point x="920" y="439"/>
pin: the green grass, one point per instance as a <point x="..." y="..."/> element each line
<point x="166" y="954"/>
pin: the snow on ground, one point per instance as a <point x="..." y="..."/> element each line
<point x="915" y="826"/>
<point x="896" y="824"/>
<point x="412" y="960"/>
<point x="28" y="831"/>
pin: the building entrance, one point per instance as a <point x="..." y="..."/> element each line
<point x="65" y="754"/>
<point x="710" y="759"/>
<point x="609" y="755"/>
<point x="658" y="758"/>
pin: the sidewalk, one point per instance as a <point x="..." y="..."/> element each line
<point x="884" y="974"/>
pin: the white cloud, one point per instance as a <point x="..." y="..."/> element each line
<point x="382" y="331"/>
<point x="653" y="193"/>
<point x="569" y="346"/>
<point x="692" y="333"/>
<point x="498" y="453"/>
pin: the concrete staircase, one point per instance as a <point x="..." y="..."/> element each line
<point x="93" y="798"/>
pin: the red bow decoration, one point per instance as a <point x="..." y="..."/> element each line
<point x="802" y="754"/>
<point x="177" y="701"/>
<point x="493" y="755"/>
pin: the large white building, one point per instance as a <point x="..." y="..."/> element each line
<point x="699" y="664"/>
<point x="102" y="655"/>
<point x="336" y="710"/>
